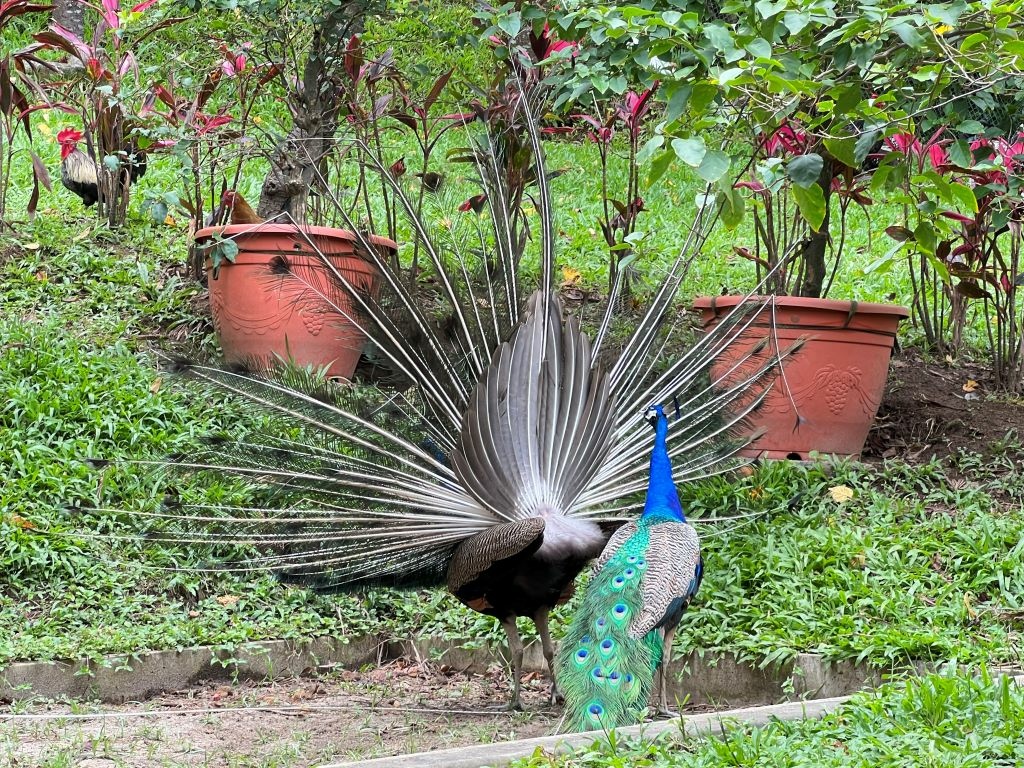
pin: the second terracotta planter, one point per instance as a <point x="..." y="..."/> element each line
<point x="827" y="394"/>
<point x="261" y="317"/>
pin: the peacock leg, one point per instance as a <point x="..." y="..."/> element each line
<point x="666" y="657"/>
<point x="515" y="648"/>
<point x="541" y="620"/>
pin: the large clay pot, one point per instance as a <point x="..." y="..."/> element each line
<point x="826" y="397"/>
<point x="260" y="317"/>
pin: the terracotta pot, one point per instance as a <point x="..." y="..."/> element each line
<point x="826" y="397"/>
<point x="260" y="316"/>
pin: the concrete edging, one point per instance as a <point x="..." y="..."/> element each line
<point x="720" y="680"/>
<point x="500" y="754"/>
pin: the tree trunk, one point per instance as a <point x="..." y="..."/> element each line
<point x="816" y="244"/>
<point x="69" y="14"/>
<point x="316" y="102"/>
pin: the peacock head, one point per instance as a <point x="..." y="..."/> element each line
<point x="654" y="413"/>
<point x="68" y="140"/>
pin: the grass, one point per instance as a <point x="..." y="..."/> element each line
<point x="939" y="720"/>
<point x="925" y="562"/>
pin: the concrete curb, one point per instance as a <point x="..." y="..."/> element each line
<point x="133" y="678"/>
<point x="493" y="755"/>
<point x="720" y="680"/>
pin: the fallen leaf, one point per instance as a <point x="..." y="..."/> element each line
<point x="31" y="246"/>
<point x="169" y="220"/>
<point x="227" y="599"/>
<point x="82" y="235"/>
<point x="155" y="386"/>
<point x="970" y="386"/>
<point x="840" y="493"/>
<point x="570" y="276"/>
<point x="41" y="276"/>
<point x="21" y="522"/>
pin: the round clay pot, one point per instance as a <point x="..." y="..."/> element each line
<point x="828" y="392"/>
<point x="261" y="316"/>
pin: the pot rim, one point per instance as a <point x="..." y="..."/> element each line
<point x="268" y="228"/>
<point x="804" y="302"/>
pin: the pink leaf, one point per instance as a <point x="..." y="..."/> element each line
<point x="143" y="6"/>
<point x="110" y="8"/>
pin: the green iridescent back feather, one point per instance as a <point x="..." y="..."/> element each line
<point x="605" y="673"/>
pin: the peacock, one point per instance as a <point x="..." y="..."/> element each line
<point x="642" y="583"/>
<point x="500" y="456"/>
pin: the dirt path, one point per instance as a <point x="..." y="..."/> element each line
<point x="402" y="707"/>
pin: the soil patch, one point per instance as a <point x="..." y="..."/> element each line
<point x="399" y="708"/>
<point x="933" y="409"/>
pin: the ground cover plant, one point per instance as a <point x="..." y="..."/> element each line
<point x="901" y="560"/>
<point x="937" y="720"/>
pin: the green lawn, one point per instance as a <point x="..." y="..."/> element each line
<point x="937" y="721"/>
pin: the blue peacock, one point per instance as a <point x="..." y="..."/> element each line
<point x="498" y="459"/>
<point x="622" y="633"/>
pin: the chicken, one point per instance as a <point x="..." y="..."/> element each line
<point x="78" y="170"/>
<point x="241" y="211"/>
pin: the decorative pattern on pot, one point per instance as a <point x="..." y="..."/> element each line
<point x="838" y="387"/>
<point x="827" y="394"/>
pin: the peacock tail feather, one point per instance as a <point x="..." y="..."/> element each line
<point x="605" y="672"/>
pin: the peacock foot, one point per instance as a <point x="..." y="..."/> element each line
<point x="664" y="713"/>
<point x="556" y="697"/>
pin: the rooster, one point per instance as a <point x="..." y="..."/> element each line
<point x="78" y="170"/>
<point x="239" y="211"/>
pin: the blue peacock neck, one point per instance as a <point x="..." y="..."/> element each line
<point x="662" y="498"/>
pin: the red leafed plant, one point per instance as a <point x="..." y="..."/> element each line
<point x="618" y="221"/>
<point x="970" y="256"/>
<point x="20" y="95"/>
<point x="102" y="90"/>
<point x="209" y="137"/>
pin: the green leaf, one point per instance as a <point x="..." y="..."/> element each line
<point x="678" y="96"/>
<point x="760" y="48"/>
<point x="971" y="127"/>
<point x="703" y="94"/>
<point x="811" y="202"/>
<point x="844" y="150"/>
<point x="796" y="21"/>
<point x="647" y="151"/>
<point x="511" y="24"/>
<point x="691" y="151"/>
<point x="732" y="205"/>
<point x="960" y="154"/>
<point x="714" y="166"/>
<point x="924" y="236"/>
<point x="972" y="41"/>
<point x="908" y="34"/>
<point x="846" y="98"/>
<point x="964" y="195"/>
<point x="805" y="169"/>
<point x="658" y="167"/>
<point x="865" y="143"/>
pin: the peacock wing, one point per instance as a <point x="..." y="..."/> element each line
<point x="672" y="557"/>
<point x="615" y="542"/>
<point x="479" y="553"/>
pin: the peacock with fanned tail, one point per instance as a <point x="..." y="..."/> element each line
<point x="621" y="635"/>
<point x="498" y="466"/>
